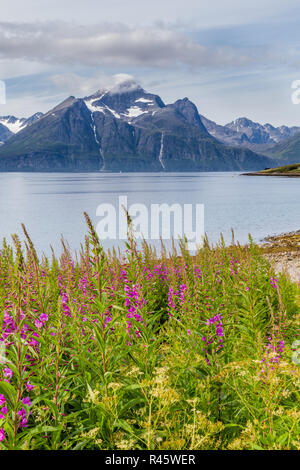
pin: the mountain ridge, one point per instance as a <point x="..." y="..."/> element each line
<point x="122" y="129"/>
<point x="244" y="132"/>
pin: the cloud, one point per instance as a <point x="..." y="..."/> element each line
<point x="117" y="45"/>
<point x="79" y="85"/>
<point x="122" y="83"/>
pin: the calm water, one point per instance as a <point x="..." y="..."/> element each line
<point x="52" y="204"/>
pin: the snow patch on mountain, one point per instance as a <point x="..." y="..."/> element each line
<point x="13" y="124"/>
<point x="99" y="108"/>
<point x="144" y="100"/>
<point x="112" y="111"/>
<point x="91" y="107"/>
<point x="134" y="111"/>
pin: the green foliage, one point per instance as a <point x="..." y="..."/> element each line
<point x="141" y="352"/>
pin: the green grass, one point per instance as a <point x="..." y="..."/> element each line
<point x="287" y="169"/>
<point x="147" y="352"/>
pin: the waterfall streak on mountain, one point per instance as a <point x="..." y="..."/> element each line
<point x="161" y="151"/>
<point x="93" y="126"/>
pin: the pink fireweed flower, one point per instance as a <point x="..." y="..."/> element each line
<point x="31" y="341"/>
<point x="272" y="354"/>
<point x="133" y="301"/>
<point x="274" y="282"/>
<point x="9" y="325"/>
<point x="219" y="330"/>
<point x="23" y="423"/>
<point x="3" y="412"/>
<point x="7" y="372"/>
<point x="107" y="320"/>
<point x="39" y="324"/>
<point x="43" y="317"/>
<point x="171" y="301"/>
<point x="215" y="319"/>
<point x="183" y="288"/>
<point x="23" y="416"/>
<point x="2" y="435"/>
<point x="2" y="399"/>
<point x="197" y="272"/>
<point x="24" y="331"/>
<point x="210" y="340"/>
<point x="65" y="306"/>
<point x="8" y="320"/>
<point x="29" y="387"/>
<point x="82" y="284"/>
<point x="26" y="401"/>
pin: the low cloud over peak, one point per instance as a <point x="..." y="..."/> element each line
<point x="123" y="83"/>
<point x="79" y="85"/>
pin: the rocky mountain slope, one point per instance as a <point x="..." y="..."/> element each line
<point x="286" y="152"/>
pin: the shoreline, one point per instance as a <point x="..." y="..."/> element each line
<point x="283" y="252"/>
<point x="288" y="175"/>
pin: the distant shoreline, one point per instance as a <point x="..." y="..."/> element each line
<point x="257" y="173"/>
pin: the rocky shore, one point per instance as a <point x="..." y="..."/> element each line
<point x="283" y="252"/>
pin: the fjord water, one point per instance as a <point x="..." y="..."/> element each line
<point x="52" y="204"/>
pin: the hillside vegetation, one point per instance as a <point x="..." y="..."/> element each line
<point x="287" y="170"/>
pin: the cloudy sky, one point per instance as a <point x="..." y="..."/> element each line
<point x="231" y="58"/>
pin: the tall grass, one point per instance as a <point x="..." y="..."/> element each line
<point x="136" y="351"/>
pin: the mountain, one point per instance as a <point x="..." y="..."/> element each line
<point x="262" y="134"/>
<point x="246" y="133"/>
<point x="5" y="134"/>
<point x="225" y="134"/>
<point x="286" y="152"/>
<point x="122" y="129"/>
<point x="62" y="138"/>
<point x="10" y="125"/>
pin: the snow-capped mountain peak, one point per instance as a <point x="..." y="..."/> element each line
<point x="261" y="133"/>
<point x="127" y="101"/>
<point x="246" y="133"/>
